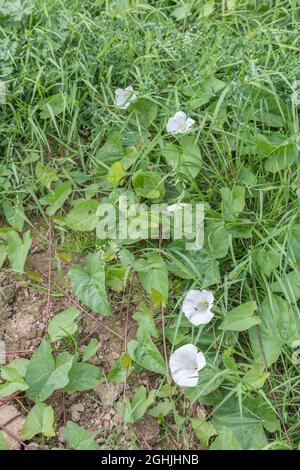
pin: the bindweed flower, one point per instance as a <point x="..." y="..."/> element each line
<point x="185" y="363"/>
<point x="197" y="307"/>
<point x="124" y="97"/>
<point x="179" y="124"/>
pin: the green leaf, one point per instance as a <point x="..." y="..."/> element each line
<point x="289" y="285"/>
<point x="241" y="318"/>
<point x="44" y="374"/>
<point x="204" y="430"/>
<point x="146" y="323"/>
<point x="83" y="377"/>
<point x="210" y="379"/>
<point x="162" y="409"/>
<point x="226" y="440"/>
<point x="56" y="199"/>
<point x="206" y="8"/>
<point x="146" y="110"/>
<point x="79" y="439"/>
<point x="255" y="377"/>
<point x="83" y="217"/>
<point x="112" y="151"/>
<point x="267" y="260"/>
<point x="217" y="239"/>
<point x="3" y="443"/>
<point x="91" y="349"/>
<point x="17" y="249"/>
<point x="153" y="275"/>
<point x="148" y="184"/>
<point x="138" y="406"/>
<point x="46" y="175"/>
<point x="245" y="423"/>
<point x="147" y="355"/>
<point x="89" y="284"/>
<point x="185" y="159"/>
<point x="14" y="214"/>
<point x="13" y="375"/>
<point x="53" y="105"/>
<point x="233" y="202"/>
<point x="40" y="420"/>
<point x="116" y="173"/>
<point x="280" y="325"/>
<point x="63" y="325"/>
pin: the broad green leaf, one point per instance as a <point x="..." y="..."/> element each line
<point x="255" y="377"/>
<point x="112" y="151"/>
<point x="267" y="260"/>
<point x="146" y="111"/>
<point x="82" y="217"/>
<point x="40" y="420"/>
<point x="83" y="377"/>
<point x="148" y="184"/>
<point x="162" y="409"/>
<point x="89" y="284"/>
<point x="233" y="202"/>
<point x="217" y="239"/>
<point x="17" y="249"/>
<point x="185" y="159"/>
<point x="78" y="438"/>
<point x="245" y="423"/>
<point x="204" y="430"/>
<point x="147" y="355"/>
<point x="116" y="173"/>
<point x="280" y="325"/>
<point x="44" y="374"/>
<point x="153" y="275"/>
<point x="146" y="323"/>
<point x="46" y="175"/>
<point x="91" y="349"/>
<point x="210" y="379"/>
<point x="63" y="324"/>
<point x="138" y="406"/>
<point x="226" y="440"/>
<point x="206" y="8"/>
<point x="54" y="105"/>
<point x="14" y="381"/>
<point x="289" y="285"/>
<point x="56" y="198"/>
<point x="241" y="318"/>
<point x="14" y="214"/>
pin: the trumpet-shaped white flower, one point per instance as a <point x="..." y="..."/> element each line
<point x="197" y="306"/>
<point x="185" y="363"/>
<point x="179" y="123"/>
<point x="124" y="97"/>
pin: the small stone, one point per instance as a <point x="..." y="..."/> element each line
<point x="107" y="393"/>
<point x="76" y="411"/>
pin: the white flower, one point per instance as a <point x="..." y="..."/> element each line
<point x="197" y="307"/>
<point x="124" y="97"/>
<point x="176" y="207"/>
<point x="179" y="124"/>
<point x="185" y="363"/>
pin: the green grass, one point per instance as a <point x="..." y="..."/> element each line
<point x="247" y="133"/>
